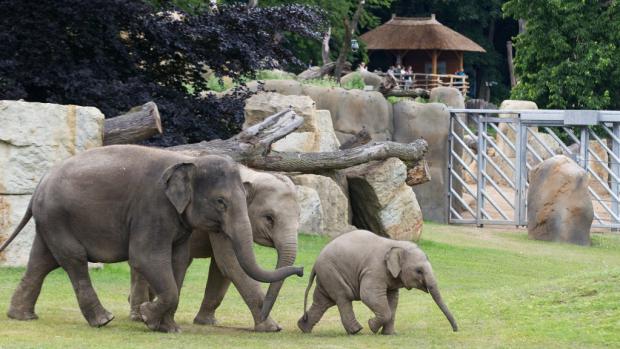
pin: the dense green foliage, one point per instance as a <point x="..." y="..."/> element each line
<point x="568" y="56"/>
<point x="504" y="290"/>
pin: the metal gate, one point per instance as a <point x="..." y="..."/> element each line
<point x="493" y="151"/>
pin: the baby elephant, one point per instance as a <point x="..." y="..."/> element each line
<point x="363" y="266"/>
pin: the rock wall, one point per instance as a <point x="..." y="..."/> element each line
<point x="33" y="138"/>
<point x="430" y="121"/>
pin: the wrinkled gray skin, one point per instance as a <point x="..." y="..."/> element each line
<point x="139" y="204"/>
<point x="274" y="216"/>
<point x="363" y="266"/>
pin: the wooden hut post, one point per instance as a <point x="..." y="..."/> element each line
<point x="434" y="57"/>
<point x="460" y="54"/>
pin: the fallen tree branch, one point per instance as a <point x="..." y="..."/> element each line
<point x="138" y="124"/>
<point x="252" y="148"/>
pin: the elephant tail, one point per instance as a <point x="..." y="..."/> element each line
<point x="312" y="276"/>
<point x="19" y="228"/>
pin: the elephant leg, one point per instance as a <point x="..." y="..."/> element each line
<point x="180" y="263"/>
<point x="250" y="290"/>
<point x="347" y="316"/>
<point x="140" y="293"/>
<point x="217" y="286"/>
<point x="375" y="298"/>
<point x="392" y="297"/>
<point x="160" y="276"/>
<point x="320" y="303"/>
<point x="71" y="256"/>
<point x="40" y="264"/>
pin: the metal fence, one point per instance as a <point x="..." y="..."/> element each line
<point x="493" y="151"/>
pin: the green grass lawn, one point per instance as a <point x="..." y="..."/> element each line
<point x="504" y="290"/>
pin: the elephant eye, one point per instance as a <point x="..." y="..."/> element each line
<point x="419" y="271"/>
<point x="270" y="219"/>
<point x="221" y="202"/>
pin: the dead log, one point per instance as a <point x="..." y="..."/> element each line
<point x="320" y="72"/>
<point x="418" y="174"/>
<point x="252" y="147"/>
<point x="359" y="139"/>
<point x="138" y="124"/>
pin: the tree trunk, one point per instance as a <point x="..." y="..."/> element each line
<point x="252" y="147"/>
<point x="349" y="30"/>
<point x="138" y="124"/>
<point x="511" y="65"/>
<point x="418" y="174"/>
<point x="325" y="48"/>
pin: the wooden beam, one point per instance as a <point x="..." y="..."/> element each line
<point x="460" y="54"/>
<point x="434" y="61"/>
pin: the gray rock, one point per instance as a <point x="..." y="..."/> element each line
<point x="311" y="212"/>
<point x="334" y="204"/>
<point x="559" y="207"/>
<point x="382" y="202"/>
<point x="352" y="109"/>
<point x="449" y="96"/>
<point x="430" y="121"/>
<point x="36" y="136"/>
<point x="12" y="209"/>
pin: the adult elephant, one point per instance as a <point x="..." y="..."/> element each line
<point x="133" y="203"/>
<point x="274" y="216"/>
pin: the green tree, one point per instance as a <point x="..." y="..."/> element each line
<point x="568" y="55"/>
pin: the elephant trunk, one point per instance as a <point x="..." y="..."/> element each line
<point x="242" y="243"/>
<point x="287" y="252"/>
<point x="431" y="285"/>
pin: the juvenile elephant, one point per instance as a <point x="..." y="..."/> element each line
<point x="274" y="216"/>
<point x="133" y="203"/>
<point x="363" y="266"/>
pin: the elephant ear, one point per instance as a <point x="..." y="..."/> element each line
<point x="249" y="191"/>
<point x="178" y="182"/>
<point x="392" y="260"/>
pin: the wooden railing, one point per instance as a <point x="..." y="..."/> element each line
<point x="430" y="81"/>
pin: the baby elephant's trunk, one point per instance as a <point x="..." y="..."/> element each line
<point x="431" y="285"/>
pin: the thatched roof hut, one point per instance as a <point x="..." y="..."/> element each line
<point x="420" y="42"/>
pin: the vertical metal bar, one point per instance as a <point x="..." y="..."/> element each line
<point x="481" y="169"/>
<point x="583" y="150"/>
<point x="615" y="168"/>
<point x="450" y="146"/>
<point x="520" y="163"/>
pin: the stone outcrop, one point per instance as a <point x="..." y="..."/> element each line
<point x="449" y="96"/>
<point x="333" y="204"/>
<point x="352" y="109"/>
<point x="311" y="211"/>
<point x="315" y="135"/>
<point x="370" y="79"/>
<point x="382" y="202"/>
<point x="430" y="121"/>
<point x="559" y="207"/>
<point x="283" y="87"/>
<point x="33" y="138"/>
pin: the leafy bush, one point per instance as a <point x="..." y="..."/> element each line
<point x="115" y="54"/>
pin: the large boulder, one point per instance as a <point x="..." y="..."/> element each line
<point x="311" y="212"/>
<point x="449" y="96"/>
<point x="369" y="79"/>
<point x="382" y="202"/>
<point x="430" y="121"/>
<point x="12" y="209"/>
<point x="35" y="136"/>
<point x="283" y="87"/>
<point x="334" y="204"/>
<point x="352" y="109"/>
<point x="559" y="207"/>
<point x="316" y="133"/>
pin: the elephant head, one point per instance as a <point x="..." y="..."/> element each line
<point x="412" y="269"/>
<point x="274" y="214"/>
<point x="208" y="195"/>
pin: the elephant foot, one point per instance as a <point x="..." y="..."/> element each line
<point x="154" y="323"/>
<point x="134" y="315"/>
<point x="267" y="326"/>
<point x="388" y="331"/>
<point x="304" y="326"/>
<point x="354" y="329"/>
<point x="98" y="317"/>
<point x="21" y="315"/>
<point x="205" y="320"/>
<point x="374" y="324"/>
